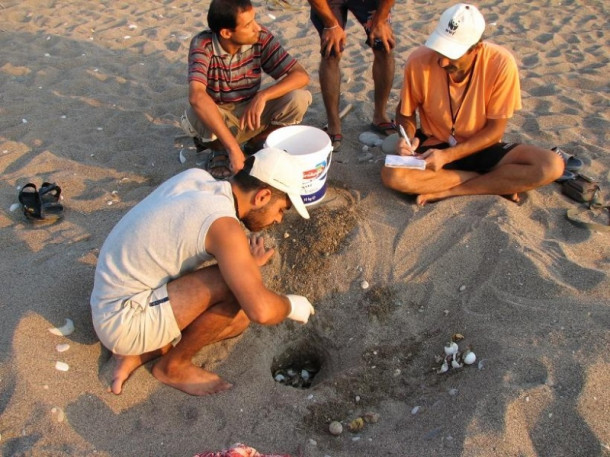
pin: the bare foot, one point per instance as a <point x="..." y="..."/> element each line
<point x="119" y="367"/>
<point x="422" y="199"/>
<point x="513" y="197"/>
<point x="190" y="379"/>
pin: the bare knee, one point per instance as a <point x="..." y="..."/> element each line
<point x="553" y="167"/>
<point x="397" y="179"/>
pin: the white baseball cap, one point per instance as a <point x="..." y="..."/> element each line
<point x="283" y="172"/>
<point x="460" y="27"/>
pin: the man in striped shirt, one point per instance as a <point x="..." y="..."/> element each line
<point x="227" y="105"/>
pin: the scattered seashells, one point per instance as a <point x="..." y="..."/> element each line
<point x="62" y="347"/>
<point x="59" y="412"/>
<point x="62" y="366"/>
<point x="453" y="358"/>
<point x="335" y="428"/>
<point x="371" y="417"/>
<point x="65" y="330"/>
<point x="356" y="425"/>
<point x="451" y="348"/>
<point x="469" y="357"/>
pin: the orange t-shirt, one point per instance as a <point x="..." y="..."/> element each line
<point x="494" y="92"/>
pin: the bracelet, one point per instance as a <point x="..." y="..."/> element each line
<point x="330" y="28"/>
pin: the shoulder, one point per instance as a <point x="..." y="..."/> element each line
<point x="202" y="40"/>
<point x="422" y="56"/>
<point x="498" y="55"/>
<point x="265" y="37"/>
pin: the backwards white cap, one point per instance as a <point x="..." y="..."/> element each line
<point x="283" y="172"/>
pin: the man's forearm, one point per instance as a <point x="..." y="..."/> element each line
<point x="487" y="136"/>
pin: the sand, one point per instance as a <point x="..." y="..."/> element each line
<point x="92" y="92"/>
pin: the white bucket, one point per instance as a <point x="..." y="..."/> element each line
<point x="313" y="148"/>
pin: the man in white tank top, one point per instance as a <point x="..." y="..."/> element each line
<point x="151" y="298"/>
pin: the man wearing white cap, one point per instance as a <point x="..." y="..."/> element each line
<point x="153" y="297"/>
<point x="464" y="91"/>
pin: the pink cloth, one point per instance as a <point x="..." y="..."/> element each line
<point x="239" y="450"/>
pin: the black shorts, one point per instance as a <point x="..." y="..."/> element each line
<point x="362" y="10"/>
<point x="481" y="162"/>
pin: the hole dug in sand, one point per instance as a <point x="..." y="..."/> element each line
<point x="298" y="365"/>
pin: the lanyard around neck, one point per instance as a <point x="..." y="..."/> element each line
<point x="454" y="116"/>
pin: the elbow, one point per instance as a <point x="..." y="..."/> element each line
<point x="263" y="316"/>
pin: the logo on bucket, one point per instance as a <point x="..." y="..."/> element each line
<point x="315" y="172"/>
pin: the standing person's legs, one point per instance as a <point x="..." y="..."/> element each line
<point x="329" y="72"/>
<point x="206" y="312"/>
<point x="383" y="77"/>
<point x="330" y="85"/>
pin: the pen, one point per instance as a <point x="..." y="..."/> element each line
<point x="404" y="134"/>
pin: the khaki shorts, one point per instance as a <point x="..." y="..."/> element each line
<point x="140" y="324"/>
<point x="286" y="110"/>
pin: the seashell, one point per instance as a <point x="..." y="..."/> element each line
<point x="65" y="330"/>
<point x="462" y="288"/>
<point x="60" y="413"/>
<point x="368" y="138"/>
<point x="453" y="392"/>
<point x="280" y="377"/>
<point x="444" y="367"/>
<point x="451" y="348"/>
<point x="14" y="206"/>
<point x="415" y="410"/>
<point x="356" y="425"/>
<point x="456" y="364"/>
<point x="469" y="357"/>
<point x="371" y="418"/>
<point x="62" y="366"/>
<point x="62" y="347"/>
<point x="364" y="285"/>
<point x="181" y="156"/>
<point x="364" y="157"/>
<point x="457" y="337"/>
<point x="345" y="110"/>
<point x="305" y="375"/>
<point x="271" y="16"/>
<point x="335" y="428"/>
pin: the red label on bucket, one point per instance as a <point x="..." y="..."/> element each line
<point x="314" y="173"/>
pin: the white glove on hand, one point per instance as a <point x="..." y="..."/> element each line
<point x="300" y="308"/>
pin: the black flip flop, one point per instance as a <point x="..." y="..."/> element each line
<point x="41" y="207"/>
<point x="49" y="192"/>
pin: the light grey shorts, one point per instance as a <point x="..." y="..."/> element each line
<point x="140" y="324"/>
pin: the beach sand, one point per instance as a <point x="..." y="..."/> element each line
<point x="92" y="92"/>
